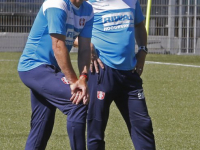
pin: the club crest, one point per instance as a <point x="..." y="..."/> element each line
<point x="64" y="80"/>
<point x="100" y="95"/>
<point x="82" y="21"/>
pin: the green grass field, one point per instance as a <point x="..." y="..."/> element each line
<point x="172" y="95"/>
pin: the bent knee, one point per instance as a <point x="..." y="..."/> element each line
<point x="143" y="124"/>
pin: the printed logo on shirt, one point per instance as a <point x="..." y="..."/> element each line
<point x="100" y="95"/>
<point x="70" y="36"/>
<point x="118" y="20"/>
<point x="64" y="80"/>
<point x="82" y="21"/>
<point x="141" y="94"/>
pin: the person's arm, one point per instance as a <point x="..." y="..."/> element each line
<point x="78" y="89"/>
<point x="62" y="57"/>
<point x="95" y="60"/>
<point x="141" y="39"/>
<point x="83" y="66"/>
<point x="83" y="54"/>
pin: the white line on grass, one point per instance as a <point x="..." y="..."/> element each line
<point x="147" y="62"/>
<point x="173" y="64"/>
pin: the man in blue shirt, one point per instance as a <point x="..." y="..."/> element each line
<point x="45" y="68"/>
<point x="115" y="72"/>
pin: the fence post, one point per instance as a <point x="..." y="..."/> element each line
<point x="171" y="23"/>
<point x="180" y="25"/>
<point x="188" y="26"/>
<point x="195" y="25"/>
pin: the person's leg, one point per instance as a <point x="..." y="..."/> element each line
<point x="76" y="124"/>
<point x="42" y="121"/>
<point x="49" y="83"/>
<point x="141" y="125"/>
<point x="122" y="104"/>
<point x="134" y="111"/>
<point x="101" y="91"/>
